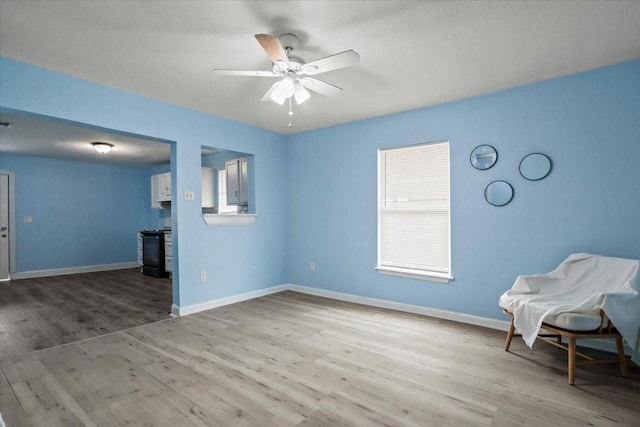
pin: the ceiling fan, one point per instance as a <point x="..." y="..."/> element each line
<point x="295" y="76"/>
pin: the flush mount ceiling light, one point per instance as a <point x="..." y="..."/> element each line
<point x="102" y="147"/>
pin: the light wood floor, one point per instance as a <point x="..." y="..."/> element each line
<point x="293" y="359"/>
<point x="49" y="311"/>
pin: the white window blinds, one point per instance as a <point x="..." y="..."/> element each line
<point x="413" y="210"/>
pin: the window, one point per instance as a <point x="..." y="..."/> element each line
<point x="413" y="212"/>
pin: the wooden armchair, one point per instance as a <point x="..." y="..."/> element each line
<point x="606" y="330"/>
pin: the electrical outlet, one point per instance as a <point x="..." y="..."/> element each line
<point x="203" y="276"/>
<point x="28" y="219"/>
<point x="312" y="266"/>
<point x="189" y="195"/>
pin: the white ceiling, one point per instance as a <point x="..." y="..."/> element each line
<point x="413" y="53"/>
<point x="35" y="136"/>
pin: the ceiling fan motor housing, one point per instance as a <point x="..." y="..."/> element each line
<point x="289" y="42"/>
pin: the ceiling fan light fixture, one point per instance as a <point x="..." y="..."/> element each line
<point x="278" y="99"/>
<point x="287" y="86"/>
<point x="284" y="90"/>
<point x="278" y="96"/>
<point x="102" y="147"/>
<point x="301" y="94"/>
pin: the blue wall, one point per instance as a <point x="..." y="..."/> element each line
<point x="588" y="124"/>
<point x="83" y="213"/>
<point x="237" y="259"/>
<point x="315" y="192"/>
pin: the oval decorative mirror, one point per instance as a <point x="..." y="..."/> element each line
<point x="498" y="193"/>
<point x="483" y="157"/>
<point x="535" y="166"/>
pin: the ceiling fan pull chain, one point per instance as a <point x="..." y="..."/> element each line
<point x="290" y="111"/>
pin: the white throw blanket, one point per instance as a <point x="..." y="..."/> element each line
<point x="583" y="283"/>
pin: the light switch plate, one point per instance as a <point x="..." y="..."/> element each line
<point x="189" y="195"/>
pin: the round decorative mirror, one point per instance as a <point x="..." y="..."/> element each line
<point x="483" y="157"/>
<point x="535" y="166"/>
<point x="498" y="193"/>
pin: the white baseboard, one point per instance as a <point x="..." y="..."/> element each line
<point x="486" y="322"/>
<point x="501" y="325"/>
<point x="195" y="308"/>
<point x="72" y="270"/>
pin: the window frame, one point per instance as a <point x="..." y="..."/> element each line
<point x="420" y="274"/>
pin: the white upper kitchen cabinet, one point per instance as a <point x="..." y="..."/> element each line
<point x="165" y="187"/>
<point x="155" y="192"/>
<point x="160" y="189"/>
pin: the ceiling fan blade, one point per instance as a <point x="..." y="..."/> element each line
<point x="274" y="48"/>
<point x="323" y="88"/>
<point x="244" y="73"/>
<point x="333" y="62"/>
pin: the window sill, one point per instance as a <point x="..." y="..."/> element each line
<point x="229" y="219"/>
<point x="415" y="274"/>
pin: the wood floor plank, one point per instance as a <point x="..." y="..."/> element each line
<point x="237" y="379"/>
<point x="281" y="398"/>
<point x="225" y="408"/>
<point x="413" y="396"/>
<point x="47" y="402"/>
<point x="290" y="359"/>
<point x="123" y="345"/>
<point x="12" y="412"/>
<point x="45" y="312"/>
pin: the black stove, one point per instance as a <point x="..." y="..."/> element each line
<point x="153" y="253"/>
<point x="156" y="231"/>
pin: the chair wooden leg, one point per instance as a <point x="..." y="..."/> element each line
<point x="572" y="360"/>
<point x="512" y="330"/>
<point x="621" y="358"/>
<point x="571" y="338"/>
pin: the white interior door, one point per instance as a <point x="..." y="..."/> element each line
<point x="4" y="227"/>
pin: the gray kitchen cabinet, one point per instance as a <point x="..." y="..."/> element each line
<point x="244" y="199"/>
<point x="237" y="175"/>
<point x="168" y="252"/>
<point x="140" y="262"/>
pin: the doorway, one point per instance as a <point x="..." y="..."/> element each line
<point x="7" y="250"/>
